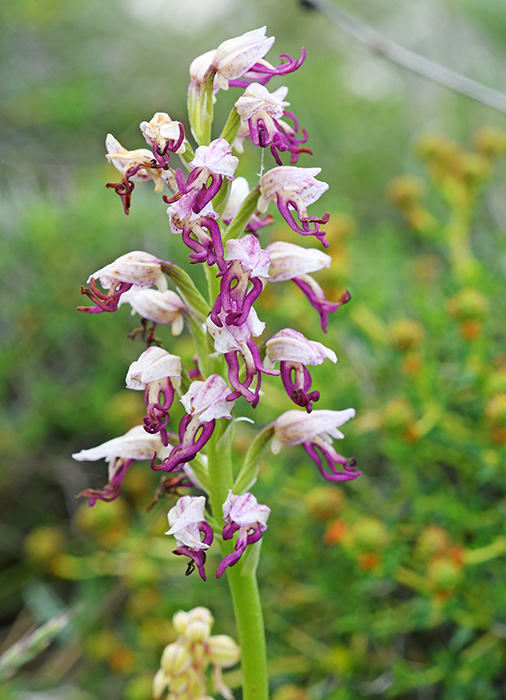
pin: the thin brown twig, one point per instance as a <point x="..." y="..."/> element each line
<point x="408" y="59"/>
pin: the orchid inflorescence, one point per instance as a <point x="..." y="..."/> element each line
<point x="220" y="220"/>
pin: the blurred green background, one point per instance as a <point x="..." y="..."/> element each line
<point x="392" y="586"/>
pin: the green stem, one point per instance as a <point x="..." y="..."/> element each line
<point x="250" y="625"/>
<point x="242" y="582"/>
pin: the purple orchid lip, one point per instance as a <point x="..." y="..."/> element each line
<point x="318" y="302"/>
<point x="111" y="491"/>
<point x="197" y="556"/>
<point x="261" y="73"/>
<point x="297" y="382"/>
<point x="193" y="435"/>
<point x="333" y="459"/>
<point x="125" y="187"/>
<point x="103" y="302"/>
<point x="234" y="299"/>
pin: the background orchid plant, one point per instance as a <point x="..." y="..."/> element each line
<point x="220" y="219"/>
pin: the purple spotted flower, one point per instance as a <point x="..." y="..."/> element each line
<point x="235" y="341"/>
<point x="292" y="262"/>
<point x="157" y="373"/>
<point x="263" y="112"/>
<point x="200" y="232"/>
<point x="204" y="402"/>
<point x="213" y="162"/>
<point x="246" y="263"/>
<point x="121" y="452"/>
<point x="188" y="524"/>
<point x="135" y="270"/>
<point x="294" y="189"/>
<point x="244" y="515"/>
<point x="294" y="351"/>
<point x="314" y="431"/>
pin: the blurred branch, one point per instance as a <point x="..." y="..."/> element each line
<point x="408" y="59"/>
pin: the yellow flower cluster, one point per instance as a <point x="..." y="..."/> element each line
<point x="184" y="662"/>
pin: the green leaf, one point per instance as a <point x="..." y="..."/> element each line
<point x="186" y="287"/>
<point x="249" y="470"/>
<point x="240" y="220"/>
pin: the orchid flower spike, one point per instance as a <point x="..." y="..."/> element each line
<point x="242" y="514"/>
<point x="187" y="523"/>
<point x="121" y="452"/>
<point x="314" y="432"/>
<point x="157" y="373"/>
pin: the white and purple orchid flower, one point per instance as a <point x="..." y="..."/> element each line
<point x="213" y="162"/>
<point x="204" y="403"/>
<point x="314" y="431"/>
<point x="165" y="136"/>
<point x="246" y="263"/>
<point x="135" y="270"/>
<point x="292" y="262"/>
<point x="135" y="166"/>
<point x="294" y="189"/>
<point x="157" y="373"/>
<point x="294" y="351"/>
<point x="240" y="61"/>
<point x="236" y="341"/>
<point x="188" y="524"/>
<point x="121" y="452"/>
<point x="244" y="515"/>
<point x="200" y="232"/>
<point x="263" y="113"/>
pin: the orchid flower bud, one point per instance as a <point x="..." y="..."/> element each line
<point x="176" y="658"/>
<point x="222" y="651"/>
